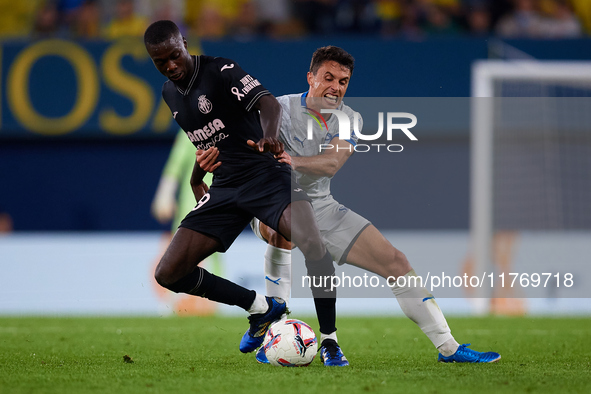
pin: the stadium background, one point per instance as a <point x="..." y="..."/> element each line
<point x="82" y="146"/>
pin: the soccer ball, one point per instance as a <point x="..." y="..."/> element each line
<point x="290" y="343"/>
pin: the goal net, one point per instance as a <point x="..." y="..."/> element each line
<point x="530" y="151"/>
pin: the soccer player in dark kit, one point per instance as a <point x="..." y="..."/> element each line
<point x="219" y="105"/>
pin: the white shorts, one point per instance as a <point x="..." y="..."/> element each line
<point x="339" y="226"/>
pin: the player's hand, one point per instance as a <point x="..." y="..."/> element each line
<point x="284" y="157"/>
<point x="207" y="159"/>
<point x="272" y="145"/>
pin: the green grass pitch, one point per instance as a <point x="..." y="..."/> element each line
<point x="200" y="355"/>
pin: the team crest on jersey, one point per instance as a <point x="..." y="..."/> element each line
<point x="205" y="106"/>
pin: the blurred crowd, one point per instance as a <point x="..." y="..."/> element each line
<point x="247" y="19"/>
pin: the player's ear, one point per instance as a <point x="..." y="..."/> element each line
<point x="310" y="78"/>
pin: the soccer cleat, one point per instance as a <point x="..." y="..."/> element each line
<point x="261" y="356"/>
<point x="259" y="324"/>
<point x="465" y="355"/>
<point x="331" y="354"/>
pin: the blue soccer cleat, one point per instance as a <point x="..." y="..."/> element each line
<point x="259" y="324"/>
<point x="261" y="356"/>
<point x="465" y="355"/>
<point x="331" y="354"/>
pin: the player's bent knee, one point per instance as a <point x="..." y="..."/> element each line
<point x="165" y="276"/>
<point x="196" y="282"/>
<point x="162" y="278"/>
<point x="400" y="258"/>
<point x="277" y="240"/>
<point x="399" y="264"/>
<point x="311" y="247"/>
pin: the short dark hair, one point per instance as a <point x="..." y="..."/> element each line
<point x="331" y="53"/>
<point x="160" y="31"/>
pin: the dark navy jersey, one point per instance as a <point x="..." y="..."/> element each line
<point x="216" y="109"/>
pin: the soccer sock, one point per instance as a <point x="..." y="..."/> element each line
<point x="259" y="305"/>
<point x="202" y="283"/>
<point x="419" y="306"/>
<point x="449" y="347"/>
<point x="332" y="335"/>
<point x="325" y="299"/>
<point x="278" y="272"/>
<point x="326" y="312"/>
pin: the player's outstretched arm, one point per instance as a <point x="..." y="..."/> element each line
<point x="328" y="163"/>
<point x="270" y="115"/>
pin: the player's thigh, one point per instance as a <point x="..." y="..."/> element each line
<point x="298" y="223"/>
<point x="185" y="251"/>
<point x="218" y="216"/>
<point x="268" y="197"/>
<point x="274" y="238"/>
<point x="339" y="227"/>
<point x="270" y="236"/>
<point x="373" y="252"/>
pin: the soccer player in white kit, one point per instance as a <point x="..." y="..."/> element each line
<point x="349" y="237"/>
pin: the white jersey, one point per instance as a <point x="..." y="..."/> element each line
<point x="339" y="226"/>
<point x="294" y="135"/>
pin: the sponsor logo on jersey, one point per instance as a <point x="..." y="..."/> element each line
<point x="249" y="83"/>
<point x="206" y="131"/>
<point x="214" y="140"/>
<point x="317" y="117"/>
<point x="227" y="67"/>
<point x="299" y="140"/>
<point x="205" y="106"/>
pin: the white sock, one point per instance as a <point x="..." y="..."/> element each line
<point x="278" y="272"/>
<point x="259" y="305"/>
<point x="419" y="306"/>
<point x="332" y="335"/>
<point x="449" y="347"/>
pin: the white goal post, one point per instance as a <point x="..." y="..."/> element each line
<point x="524" y="113"/>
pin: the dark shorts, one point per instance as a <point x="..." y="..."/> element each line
<point x="224" y="212"/>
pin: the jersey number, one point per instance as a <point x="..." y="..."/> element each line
<point x="203" y="200"/>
